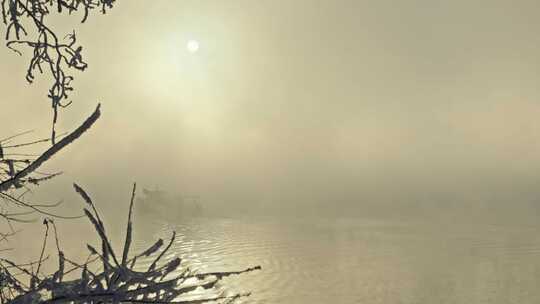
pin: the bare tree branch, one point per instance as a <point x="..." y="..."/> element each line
<point x="5" y="185"/>
<point x="56" y="56"/>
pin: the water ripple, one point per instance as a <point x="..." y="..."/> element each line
<point x="354" y="261"/>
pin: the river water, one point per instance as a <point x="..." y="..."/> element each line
<point x="316" y="260"/>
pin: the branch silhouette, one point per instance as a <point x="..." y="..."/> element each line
<point x="26" y="27"/>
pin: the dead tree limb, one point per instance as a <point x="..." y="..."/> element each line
<point x="5" y="185"/>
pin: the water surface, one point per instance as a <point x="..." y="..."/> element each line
<point x="315" y="260"/>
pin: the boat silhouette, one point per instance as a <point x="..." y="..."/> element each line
<point x="165" y="205"/>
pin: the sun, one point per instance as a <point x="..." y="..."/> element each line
<point x="192" y="46"/>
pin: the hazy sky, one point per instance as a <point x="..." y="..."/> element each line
<point x="299" y="101"/>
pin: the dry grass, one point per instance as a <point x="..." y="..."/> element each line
<point x="107" y="277"/>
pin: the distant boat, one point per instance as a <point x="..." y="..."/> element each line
<point x="159" y="203"/>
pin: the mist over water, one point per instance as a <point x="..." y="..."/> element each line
<point x="296" y="103"/>
<point x="359" y="151"/>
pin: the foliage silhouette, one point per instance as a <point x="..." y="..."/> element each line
<point x="24" y="18"/>
<point x="116" y="281"/>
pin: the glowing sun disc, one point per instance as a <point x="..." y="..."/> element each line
<point x="192" y="46"/>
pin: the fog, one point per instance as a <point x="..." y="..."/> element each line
<point x="300" y="106"/>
